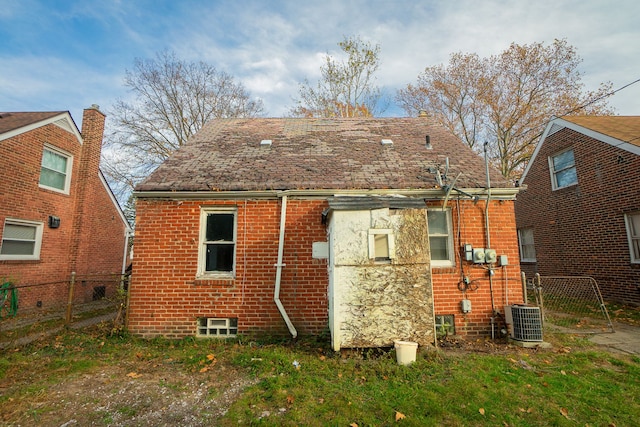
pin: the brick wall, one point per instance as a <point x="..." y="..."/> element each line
<point x="94" y="246"/>
<point x="505" y="282"/>
<point x="580" y="230"/>
<point x="166" y="299"/>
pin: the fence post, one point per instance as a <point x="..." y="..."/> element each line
<point x="72" y="284"/>
<point x="537" y="285"/>
<point x="523" y="277"/>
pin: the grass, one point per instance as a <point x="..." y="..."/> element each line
<point x="575" y="383"/>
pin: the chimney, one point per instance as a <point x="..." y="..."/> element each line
<point x="92" y="133"/>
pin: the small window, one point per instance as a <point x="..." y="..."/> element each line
<point x="381" y="244"/>
<point x="55" y="172"/>
<point x="21" y="240"/>
<point x="445" y="325"/>
<point x="527" y="246"/>
<point x="217" y="327"/>
<point x="563" y="170"/>
<point x="218" y="243"/>
<point x="440" y="237"/>
<point x="633" y="233"/>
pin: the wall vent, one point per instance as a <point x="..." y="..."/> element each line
<point x="386" y="142"/>
<point x="266" y="142"/>
<point x="524" y="322"/>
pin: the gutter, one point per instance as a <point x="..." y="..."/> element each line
<point x="430" y="194"/>
<point x="279" y="265"/>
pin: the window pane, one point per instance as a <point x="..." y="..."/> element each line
<point x="219" y="228"/>
<point x="634" y="223"/>
<point x="438" y="247"/>
<point x="381" y="245"/>
<point x="437" y="222"/>
<point x="566" y="177"/>
<point x="54" y="161"/>
<point x="563" y="160"/>
<point x="16" y="247"/>
<point x="52" y="179"/>
<point x="21" y="232"/>
<point x="219" y="257"/>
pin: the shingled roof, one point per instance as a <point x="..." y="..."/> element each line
<point x="623" y="128"/>
<point x="313" y="154"/>
<point x="12" y="121"/>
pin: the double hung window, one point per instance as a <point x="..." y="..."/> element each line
<point x="217" y="242"/>
<point x="55" y="171"/>
<point x="21" y="240"/>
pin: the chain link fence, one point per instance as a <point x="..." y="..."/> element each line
<point x="570" y="304"/>
<point x="30" y="310"/>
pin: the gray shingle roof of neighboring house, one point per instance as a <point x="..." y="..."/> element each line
<point x="310" y="154"/>
<point x="11" y="121"/>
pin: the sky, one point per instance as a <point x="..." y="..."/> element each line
<point x="69" y="54"/>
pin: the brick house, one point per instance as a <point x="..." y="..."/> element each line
<point x="57" y="213"/>
<point x="313" y="225"/>
<point x="580" y="212"/>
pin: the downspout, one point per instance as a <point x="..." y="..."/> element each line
<point x="486" y="223"/>
<point x="279" y="265"/>
<point x="127" y="234"/>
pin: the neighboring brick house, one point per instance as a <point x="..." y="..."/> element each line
<point x="309" y="225"/>
<point x="57" y="213"/>
<point x="580" y="212"/>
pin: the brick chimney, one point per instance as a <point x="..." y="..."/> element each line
<point x="87" y="182"/>
<point x="92" y="134"/>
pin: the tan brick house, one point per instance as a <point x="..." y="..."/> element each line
<point x="57" y="213"/>
<point x="306" y="225"/>
<point x="580" y="212"/>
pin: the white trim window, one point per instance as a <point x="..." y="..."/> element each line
<point x="527" y="246"/>
<point x="440" y="237"/>
<point x="381" y="244"/>
<point x="21" y="240"/>
<point x="55" y="170"/>
<point x="563" y="169"/>
<point x="633" y="234"/>
<point x="217" y="251"/>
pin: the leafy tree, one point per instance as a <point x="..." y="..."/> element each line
<point x="173" y="99"/>
<point x="505" y="99"/>
<point x="345" y="89"/>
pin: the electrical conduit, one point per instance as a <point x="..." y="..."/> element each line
<point x="279" y="265"/>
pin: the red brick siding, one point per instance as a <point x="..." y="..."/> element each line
<point x="580" y="230"/>
<point x="165" y="298"/>
<point x="506" y="283"/>
<point x="99" y="243"/>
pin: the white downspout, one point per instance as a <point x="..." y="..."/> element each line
<point x="127" y="234"/>
<point x="279" y="265"/>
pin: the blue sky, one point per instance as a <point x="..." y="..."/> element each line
<point x="67" y="55"/>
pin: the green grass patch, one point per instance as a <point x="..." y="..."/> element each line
<point x="306" y="383"/>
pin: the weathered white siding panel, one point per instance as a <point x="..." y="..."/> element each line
<point x="374" y="303"/>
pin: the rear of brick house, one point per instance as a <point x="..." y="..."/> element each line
<point x="309" y="226"/>
<point x="57" y="212"/>
<point x="580" y="212"/>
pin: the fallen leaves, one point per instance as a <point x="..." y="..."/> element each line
<point x="134" y="375"/>
<point x="481" y="410"/>
<point x="400" y="416"/>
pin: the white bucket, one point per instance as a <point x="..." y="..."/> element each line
<point x="405" y="351"/>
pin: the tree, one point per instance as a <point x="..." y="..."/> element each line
<point x="345" y="89"/>
<point x="505" y="99"/>
<point x="173" y="99"/>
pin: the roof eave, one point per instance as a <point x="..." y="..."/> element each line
<point x="431" y="193"/>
